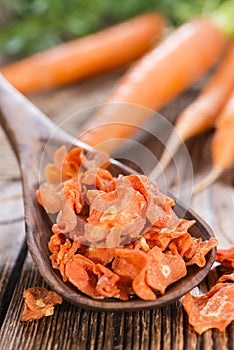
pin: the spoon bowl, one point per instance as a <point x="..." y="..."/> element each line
<point x="29" y="130"/>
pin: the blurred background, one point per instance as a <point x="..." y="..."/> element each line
<point x="29" y="26"/>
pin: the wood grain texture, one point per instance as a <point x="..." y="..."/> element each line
<point x="71" y="327"/>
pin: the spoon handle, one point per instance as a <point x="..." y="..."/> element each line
<point x="27" y="128"/>
<point x="25" y="125"/>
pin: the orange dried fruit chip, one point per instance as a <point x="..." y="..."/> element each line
<point x="215" y="309"/>
<point x="141" y="288"/>
<point x="75" y="155"/>
<point x="107" y="282"/>
<point x="66" y="219"/>
<point x="59" y="157"/>
<point x="227" y="277"/>
<point x="114" y="236"/>
<point x="39" y="302"/>
<point x="96" y="159"/>
<point x="72" y="194"/>
<point x="164" y="269"/>
<point x="225" y="257"/>
<point x="100" y="255"/>
<point x="117" y="213"/>
<point x="100" y="179"/>
<point x="202" y="249"/>
<point x="79" y="271"/>
<point x="186" y="245"/>
<point x="162" y="237"/>
<point x="129" y="262"/>
<point x="50" y="197"/>
<point x="140" y="183"/>
<point x="52" y="173"/>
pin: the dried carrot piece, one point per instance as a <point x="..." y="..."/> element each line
<point x="72" y="194"/>
<point x="66" y="219"/>
<point x="225" y="257"/>
<point x="49" y="195"/>
<point x="96" y="178"/>
<point x="59" y="258"/>
<point x="117" y="213"/>
<point x="39" y="302"/>
<point x="215" y="309"/>
<point x="141" y="287"/>
<point x="186" y="245"/>
<point x="164" y="269"/>
<point x="162" y="237"/>
<point x="229" y="277"/>
<point x="107" y="282"/>
<point x="79" y="271"/>
<point x="129" y="262"/>
<point x="107" y="246"/>
<point x="202" y="249"/>
<point x="100" y="255"/>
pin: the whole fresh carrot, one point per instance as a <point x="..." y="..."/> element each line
<point x="226" y="118"/>
<point x="110" y="48"/>
<point x="222" y="147"/>
<point x="156" y="78"/>
<point x="201" y="114"/>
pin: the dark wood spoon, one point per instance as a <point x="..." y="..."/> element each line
<point x="29" y="130"/>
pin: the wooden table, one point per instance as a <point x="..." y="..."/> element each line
<point x="71" y="327"/>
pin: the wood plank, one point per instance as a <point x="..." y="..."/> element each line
<point x="12" y="238"/>
<point x="215" y="205"/>
<point x="11" y="203"/>
<point x="156" y="329"/>
<point x="9" y="169"/>
<point x="177" y="326"/>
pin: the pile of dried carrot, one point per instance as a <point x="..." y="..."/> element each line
<point x="120" y="238"/>
<point x="115" y="237"/>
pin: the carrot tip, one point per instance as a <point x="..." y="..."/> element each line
<point x="162" y="164"/>
<point x="208" y="180"/>
<point x="171" y="147"/>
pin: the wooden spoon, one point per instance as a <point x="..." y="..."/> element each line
<point x="29" y="130"/>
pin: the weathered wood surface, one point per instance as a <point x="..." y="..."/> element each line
<point x="74" y="328"/>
